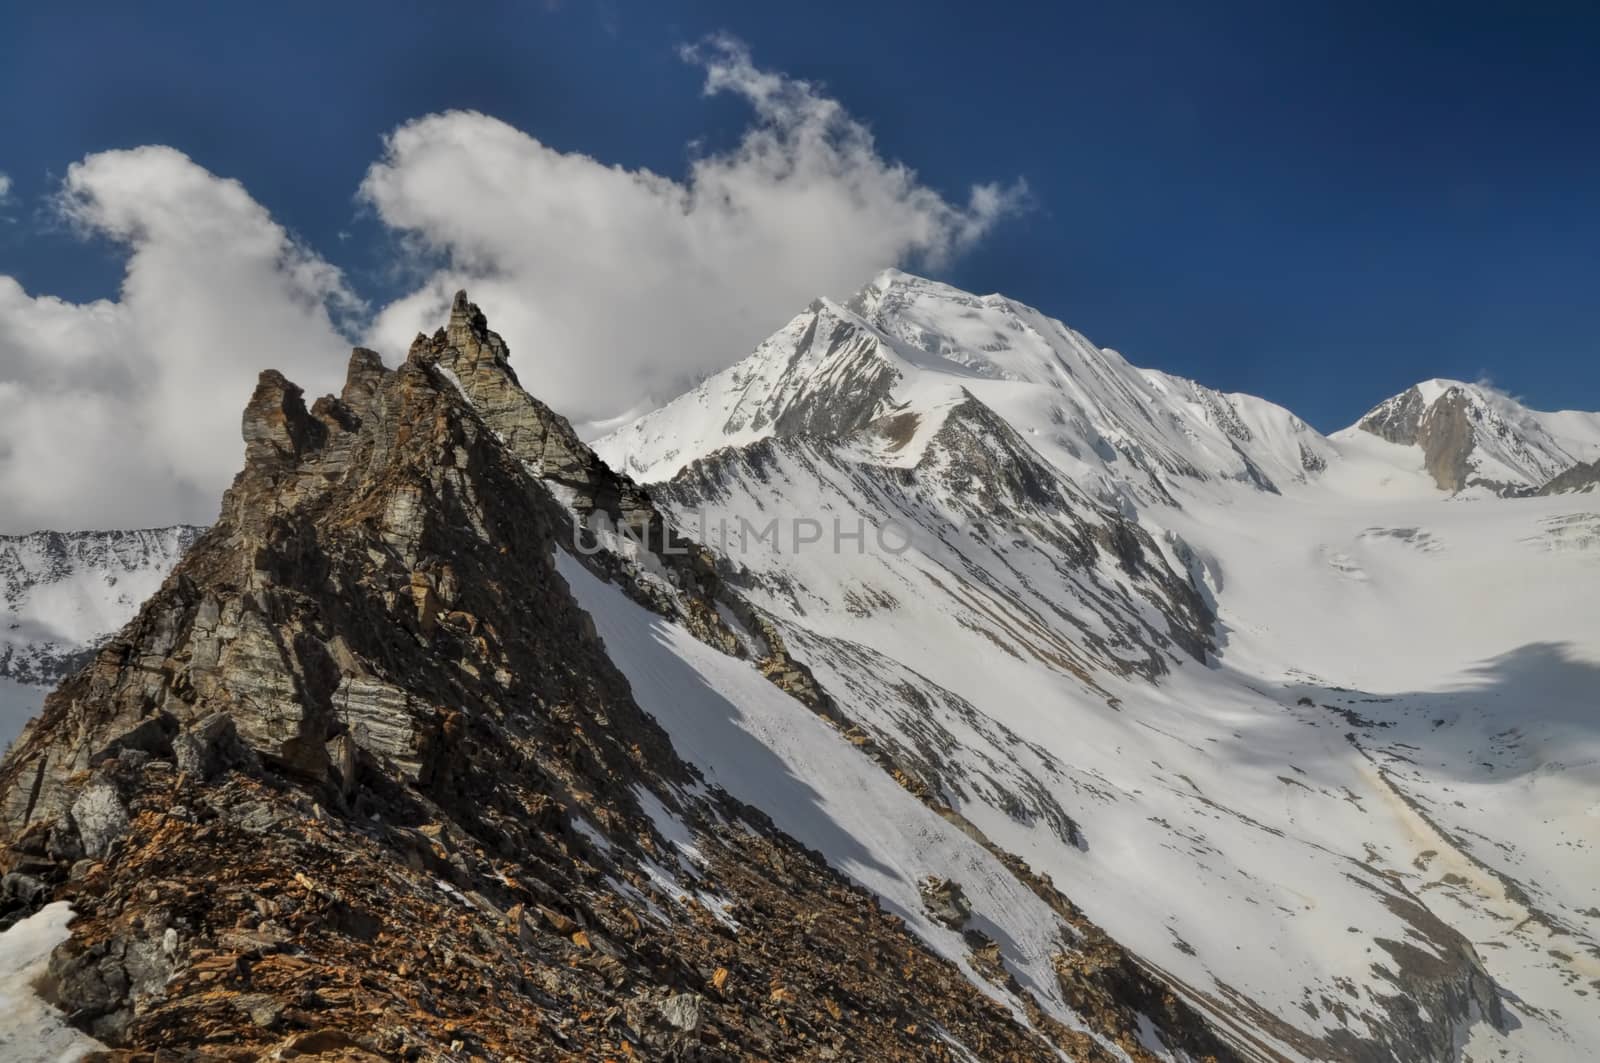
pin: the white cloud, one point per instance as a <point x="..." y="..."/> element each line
<point x="5" y="187"/>
<point x="614" y="287"/>
<point x="125" y="413"/>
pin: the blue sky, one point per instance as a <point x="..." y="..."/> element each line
<point x="1317" y="203"/>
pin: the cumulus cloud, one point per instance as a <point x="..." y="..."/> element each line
<point x="616" y="288"/>
<point x="5" y="187"/>
<point x="125" y="412"/>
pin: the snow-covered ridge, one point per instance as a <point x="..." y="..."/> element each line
<point x="61" y="592"/>
<point x="906" y="345"/>
<point x="827" y="372"/>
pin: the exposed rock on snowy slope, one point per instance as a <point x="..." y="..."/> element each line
<point x="1578" y="478"/>
<point x="370" y="775"/>
<point x="1042" y="568"/>
<point x="1474" y="437"/>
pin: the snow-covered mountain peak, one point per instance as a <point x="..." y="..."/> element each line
<point x="891" y="285"/>
<point x="1477" y="439"/>
<point x="907" y="345"/>
<point x="826" y="372"/>
<point x="1433" y="390"/>
<point x="1273" y="705"/>
<point x="989" y="334"/>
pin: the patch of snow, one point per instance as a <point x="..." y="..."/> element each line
<point x="31" y="1030"/>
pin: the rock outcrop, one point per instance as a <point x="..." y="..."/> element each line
<point x="1443" y="430"/>
<point x="1474" y="437"/>
<point x="1581" y="477"/>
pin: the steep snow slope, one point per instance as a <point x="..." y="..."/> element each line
<point x="915" y="347"/>
<point x="745" y="734"/>
<point x="1377" y="795"/>
<point x="60" y="592"/>
<point x="1472" y="437"/>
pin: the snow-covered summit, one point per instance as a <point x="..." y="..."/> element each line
<point x="908" y="345"/>
<point x="825" y="372"/>
<point x="1477" y="439"/>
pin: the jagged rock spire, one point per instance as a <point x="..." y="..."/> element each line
<point x="277" y="428"/>
<point x="468" y="327"/>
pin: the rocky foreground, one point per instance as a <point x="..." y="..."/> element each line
<point x="361" y="782"/>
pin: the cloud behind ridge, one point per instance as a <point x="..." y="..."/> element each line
<point x="615" y="288"/>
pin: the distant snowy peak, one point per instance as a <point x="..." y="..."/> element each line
<point x="914" y="348"/>
<point x="1476" y="439"/>
<point x="989" y="335"/>
<point x="61" y="592"/>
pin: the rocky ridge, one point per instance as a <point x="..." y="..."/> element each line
<point x="359" y="782"/>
